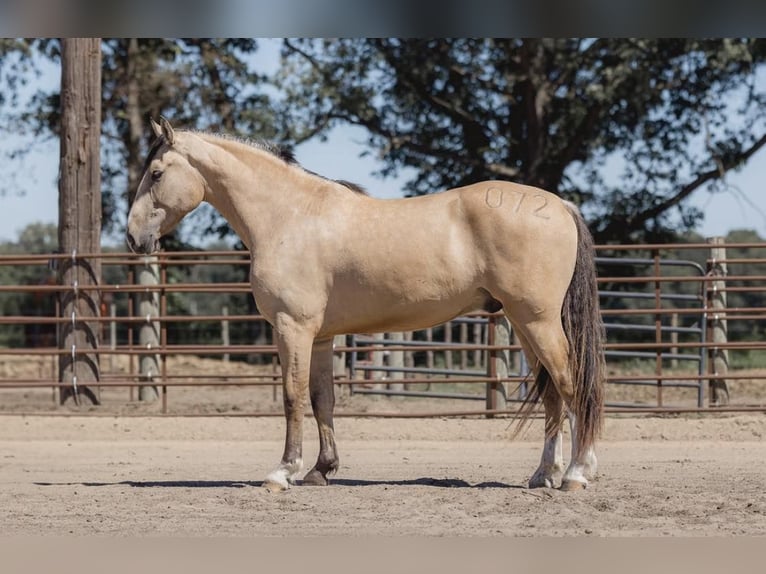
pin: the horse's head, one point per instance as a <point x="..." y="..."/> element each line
<point x="170" y="188"/>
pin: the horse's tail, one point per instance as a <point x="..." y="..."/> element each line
<point x="581" y="319"/>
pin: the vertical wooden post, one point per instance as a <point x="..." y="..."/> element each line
<point x="674" y="339"/>
<point x="718" y="357"/>
<point x="377" y="360"/>
<point x="429" y="354"/>
<point x="409" y="358"/>
<point x="499" y="361"/>
<point x="478" y="339"/>
<point x="339" y="359"/>
<point x="225" y="340"/>
<point x="80" y="216"/>
<point x="131" y="355"/>
<point x="448" y="363"/>
<point x="147" y="305"/>
<point x="463" y="341"/>
<point x="396" y="360"/>
<point x="658" y="324"/>
<point x="112" y="333"/>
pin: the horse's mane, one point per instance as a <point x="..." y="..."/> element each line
<point x="283" y="153"/>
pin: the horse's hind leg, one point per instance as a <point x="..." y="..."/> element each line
<point x="323" y="404"/>
<point x="552" y="460"/>
<point x="584" y="462"/>
<point x="546" y="338"/>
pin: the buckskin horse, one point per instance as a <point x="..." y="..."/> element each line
<point x="419" y="262"/>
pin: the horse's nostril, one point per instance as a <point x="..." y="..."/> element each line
<point x="131" y="242"/>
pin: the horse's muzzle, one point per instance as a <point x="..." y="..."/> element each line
<point x="142" y="247"/>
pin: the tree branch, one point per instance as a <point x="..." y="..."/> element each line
<point x="637" y="221"/>
<point x="475" y="135"/>
<point x="574" y="145"/>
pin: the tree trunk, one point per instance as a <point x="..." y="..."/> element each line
<point x="135" y="121"/>
<point x="80" y="217"/>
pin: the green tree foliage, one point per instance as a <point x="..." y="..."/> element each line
<point x="672" y="115"/>
<point x="34" y="239"/>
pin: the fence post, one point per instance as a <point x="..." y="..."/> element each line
<point x="409" y="358"/>
<point x="498" y="362"/>
<point x="478" y="339"/>
<point x="396" y="360"/>
<point x="718" y="356"/>
<point x="225" y="340"/>
<point x="463" y="341"/>
<point x="658" y="324"/>
<point x="674" y="339"/>
<point x="149" y="331"/>
<point x="377" y="361"/>
<point x="79" y="218"/>
<point x="339" y="359"/>
<point x="112" y="332"/>
<point x="429" y="354"/>
<point x="448" y="339"/>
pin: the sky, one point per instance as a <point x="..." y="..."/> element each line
<point x="30" y="185"/>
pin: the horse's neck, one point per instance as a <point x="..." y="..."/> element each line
<point x="243" y="194"/>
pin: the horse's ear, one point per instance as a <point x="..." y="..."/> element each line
<point x="155" y="127"/>
<point x="167" y="130"/>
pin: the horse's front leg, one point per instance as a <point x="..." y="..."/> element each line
<point x="322" y="394"/>
<point x="294" y="346"/>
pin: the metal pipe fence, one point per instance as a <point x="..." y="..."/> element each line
<point x="661" y="306"/>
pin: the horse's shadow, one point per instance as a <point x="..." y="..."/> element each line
<point x="425" y="481"/>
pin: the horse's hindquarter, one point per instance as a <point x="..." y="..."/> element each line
<point x="527" y="235"/>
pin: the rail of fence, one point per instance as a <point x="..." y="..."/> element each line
<point x="674" y="342"/>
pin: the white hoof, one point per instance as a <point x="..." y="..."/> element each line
<point x="577" y="475"/>
<point x="570" y="485"/>
<point x="283" y="476"/>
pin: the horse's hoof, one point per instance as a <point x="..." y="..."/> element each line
<point x="541" y="482"/>
<point x="314" y="478"/>
<point x="545" y="477"/>
<point x="568" y="485"/>
<point x="273" y="486"/>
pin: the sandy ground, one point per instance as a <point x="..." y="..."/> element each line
<point x="200" y="476"/>
<point x="115" y="474"/>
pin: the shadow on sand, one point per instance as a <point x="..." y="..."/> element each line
<point x="426" y="481"/>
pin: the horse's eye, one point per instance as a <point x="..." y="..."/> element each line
<point x="156" y="175"/>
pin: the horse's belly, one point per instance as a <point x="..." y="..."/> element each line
<point x="372" y="314"/>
